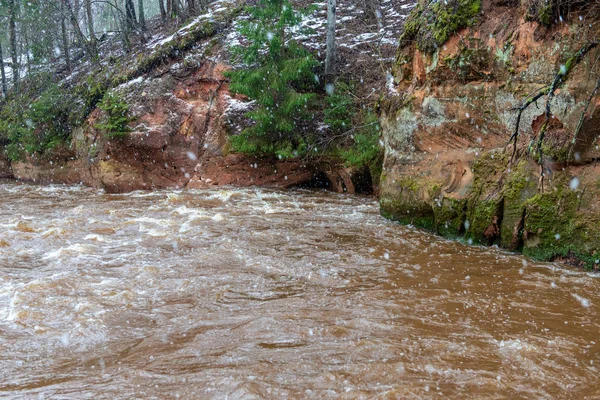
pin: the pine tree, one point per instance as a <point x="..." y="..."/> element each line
<point x="278" y="77"/>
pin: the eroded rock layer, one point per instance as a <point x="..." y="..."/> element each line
<point x="449" y="163"/>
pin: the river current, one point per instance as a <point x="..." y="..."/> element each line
<point x="255" y="293"/>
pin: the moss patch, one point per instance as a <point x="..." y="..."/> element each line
<point x="472" y="62"/>
<point x="431" y="23"/>
<point x="172" y="49"/>
<point x="450" y="216"/>
<point x="480" y="217"/>
<point x="485" y="200"/>
<point x="519" y="186"/>
<point x="552" y="227"/>
<point x="405" y="203"/>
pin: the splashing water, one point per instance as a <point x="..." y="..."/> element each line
<point x="258" y="293"/>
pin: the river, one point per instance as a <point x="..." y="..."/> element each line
<point x="255" y="293"/>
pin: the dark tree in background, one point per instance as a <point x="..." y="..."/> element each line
<point x="4" y="86"/>
<point x="130" y="14"/>
<point x="163" y="12"/>
<point x="142" y="17"/>
<point x="12" y="29"/>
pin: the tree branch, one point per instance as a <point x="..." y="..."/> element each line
<point x="549" y="90"/>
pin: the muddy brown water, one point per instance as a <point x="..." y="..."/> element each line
<point x="253" y="293"/>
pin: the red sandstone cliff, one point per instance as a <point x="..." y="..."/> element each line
<point x="448" y="163"/>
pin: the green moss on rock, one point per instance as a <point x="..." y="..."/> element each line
<point x="480" y="216"/>
<point x="485" y="200"/>
<point x="558" y="223"/>
<point x="398" y="209"/>
<point x="167" y="51"/>
<point x="472" y="60"/>
<point x="519" y="186"/>
<point x="450" y="216"/>
<point x="404" y="202"/>
<point x="551" y="225"/>
<point x="430" y="24"/>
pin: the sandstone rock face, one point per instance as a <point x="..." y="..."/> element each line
<point x="182" y="119"/>
<point x="66" y="172"/>
<point x="448" y="166"/>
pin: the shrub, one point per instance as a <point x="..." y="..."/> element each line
<point x="39" y="128"/>
<point x="279" y="78"/>
<point x="116" y="122"/>
<point x="339" y="108"/>
<point x="354" y="131"/>
<point x="364" y="149"/>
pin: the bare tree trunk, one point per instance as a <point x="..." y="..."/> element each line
<point x="121" y="25"/>
<point x="4" y="86"/>
<point x="141" y="15"/>
<point x="130" y="14"/>
<point x="90" y="19"/>
<point x="93" y="43"/>
<point x="65" y="38"/>
<point x="175" y="6"/>
<point x="90" y="47"/>
<point x="192" y="6"/>
<point x="378" y="14"/>
<point x="330" y="52"/>
<point x="163" y="13"/>
<point x="372" y="11"/>
<point x="25" y="42"/>
<point x="12" y="30"/>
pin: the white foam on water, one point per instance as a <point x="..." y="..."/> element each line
<point x="156" y="221"/>
<point x="515" y="345"/>
<point x="94" y="237"/>
<point x="582" y="300"/>
<point x="218" y="218"/>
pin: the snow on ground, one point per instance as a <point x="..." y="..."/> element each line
<point x="9" y="71"/>
<point x="236" y="105"/>
<point x="376" y="36"/>
<point x="215" y="9"/>
<point x="131" y="82"/>
<point x="355" y="29"/>
<point x="363" y="39"/>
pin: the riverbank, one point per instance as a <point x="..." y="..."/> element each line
<point x="160" y="113"/>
